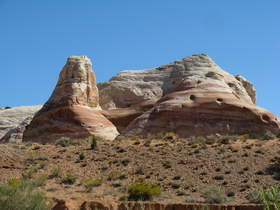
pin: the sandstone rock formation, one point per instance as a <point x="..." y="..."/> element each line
<point x="194" y="97"/>
<point x="132" y="87"/>
<point x="15" y="135"/>
<point x="123" y="116"/>
<point x="10" y="118"/>
<point x="73" y="108"/>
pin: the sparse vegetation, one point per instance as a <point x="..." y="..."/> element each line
<point x="183" y="167"/>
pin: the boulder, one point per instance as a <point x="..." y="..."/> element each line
<point x="73" y="109"/>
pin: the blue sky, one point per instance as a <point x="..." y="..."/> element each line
<point x="36" y="37"/>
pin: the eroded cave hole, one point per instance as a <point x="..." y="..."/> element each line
<point x="192" y="97"/>
<point x="219" y="99"/>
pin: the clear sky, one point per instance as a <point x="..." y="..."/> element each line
<point x="36" y="37"/>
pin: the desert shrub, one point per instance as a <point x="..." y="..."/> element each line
<point x="14" y="182"/>
<point x="143" y="191"/>
<point x="28" y="174"/>
<point x="274" y="169"/>
<point x="40" y="180"/>
<point x="271" y="197"/>
<point x="268" y="135"/>
<point x="93" y="143"/>
<point x="20" y="194"/>
<point x="114" y="175"/>
<point x="254" y="197"/>
<point x="244" y="137"/>
<point x="214" y="195"/>
<point x="211" y="139"/>
<point x="56" y="172"/>
<point x="69" y="178"/>
<point x="169" y="135"/>
<point x="65" y="142"/>
<point x="139" y="171"/>
<point x="89" y="183"/>
<point x="225" y="140"/>
<point x="200" y="139"/>
<point x="82" y="156"/>
<point x="110" y="192"/>
<point x="230" y="194"/>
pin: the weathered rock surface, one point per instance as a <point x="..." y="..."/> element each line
<point x="73" y="108"/>
<point x="132" y="87"/>
<point x="123" y="116"/>
<point x="10" y="118"/>
<point x="15" y="135"/>
<point x="194" y="97"/>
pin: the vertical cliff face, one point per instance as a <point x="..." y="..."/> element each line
<point x="73" y="108"/>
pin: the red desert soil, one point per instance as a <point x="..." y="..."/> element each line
<point x="183" y="167"/>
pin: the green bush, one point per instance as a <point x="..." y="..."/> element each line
<point x="93" y="143"/>
<point x="143" y="191"/>
<point x="214" y="195"/>
<point x="69" y="178"/>
<point x="89" y="183"/>
<point x="20" y="194"/>
<point x="271" y="198"/>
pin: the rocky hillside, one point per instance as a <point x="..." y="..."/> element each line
<point x="184" y="168"/>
